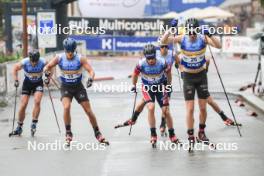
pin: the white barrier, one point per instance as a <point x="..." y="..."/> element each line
<point x="240" y="45"/>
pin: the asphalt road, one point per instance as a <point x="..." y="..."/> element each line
<point x="133" y="155"/>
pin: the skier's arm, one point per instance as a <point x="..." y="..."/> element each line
<point x="16" y="68"/>
<point x="87" y="67"/>
<point x="51" y="64"/>
<point x="213" y="41"/>
<point x="167" y="38"/>
<point x="135" y="75"/>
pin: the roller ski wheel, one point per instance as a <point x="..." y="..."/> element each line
<point x="191" y="140"/>
<point x="17" y="132"/>
<point x="68" y="138"/>
<point x="204" y="140"/>
<point x="33" y="129"/>
<point x="101" y="139"/>
<point x="175" y="140"/>
<point x="153" y="141"/>
<point x="229" y="122"/>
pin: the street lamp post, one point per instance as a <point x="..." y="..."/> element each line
<point x="25" y="35"/>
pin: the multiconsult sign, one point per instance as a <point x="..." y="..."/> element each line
<point x="112" y="9"/>
<point x="162" y="6"/>
<point x="109" y="43"/>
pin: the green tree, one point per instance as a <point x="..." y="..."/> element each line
<point x="262" y="3"/>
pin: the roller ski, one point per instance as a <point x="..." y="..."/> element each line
<point x="191" y="140"/>
<point x="153" y="141"/>
<point x="204" y="140"/>
<point x="18" y="131"/>
<point x="126" y="123"/>
<point x="101" y="139"/>
<point x="229" y="122"/>
<point x="33" y="129"/>
<point x="68" y="138"/>
<point x="163" y="132"/>
<point x="175" y="140"/>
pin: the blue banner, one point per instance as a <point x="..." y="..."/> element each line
<point x="118" y="43"/>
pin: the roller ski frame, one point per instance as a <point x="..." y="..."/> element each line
<point x="176" y="141"/>
<point x="16" y="133"/>
<point x="211" y="145"/>
<point x="191" y="144"/>
<point x="101" y="139"/>
<point x="68" y="139"/>
<point x="120" y="126"/>
<point x="104" y="141"/>
<point x="125" y="124"/>
<point x="33" y="130"/>
<point x="204" y="140"/>
<point x="163" y="132"/>
<point x="153" y="141"/>
<point x="229" y="122"/>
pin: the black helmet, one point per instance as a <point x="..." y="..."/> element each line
<point x="192" y="25"/>
<point x="149" y="51"/>
<point x="69" y="44"/>
<point x="34" y="55"/>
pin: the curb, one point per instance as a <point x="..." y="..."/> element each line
<point x="251" y="99"/>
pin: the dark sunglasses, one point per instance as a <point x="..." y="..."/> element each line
<point x="151" y="58"/>
<point x="164" y="46"/>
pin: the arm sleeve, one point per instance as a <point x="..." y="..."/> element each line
<point x="137" y="69"/>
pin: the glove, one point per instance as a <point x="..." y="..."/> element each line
<point x="46" y="81"/>
<point x="16" y="84"/>
<point x="134" y="89"/>
<point x="174" y="23"/>
<point x="89" y="82"/>
<point x="176" y="66"/>
<point x="206" y="32"/>
<point x="47" y="74"/>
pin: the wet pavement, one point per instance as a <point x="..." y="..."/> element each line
<point x="133" y="155"/>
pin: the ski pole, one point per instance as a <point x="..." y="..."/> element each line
<point x="56" y="118"/>
<point x="133" y="112"/>
<point x="14" y="116"/>
<point x="225" y="91"/>
<point x="179" y="77"/>
<point x="55" y="83"/>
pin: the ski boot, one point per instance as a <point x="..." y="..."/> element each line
<point x="175" y="140"/>
<point x="101" y="139"/>
<point x="33" y="129"/>
<point x="68" y="138"/>
<point x="191" y="140"/>
<point x="18" y="131"/>
<point x="153" y="141"/>
<point x="204" y="140"/>
<point x="229" y="122"/>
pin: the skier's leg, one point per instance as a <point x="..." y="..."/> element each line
<point x="36" y="110"/>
